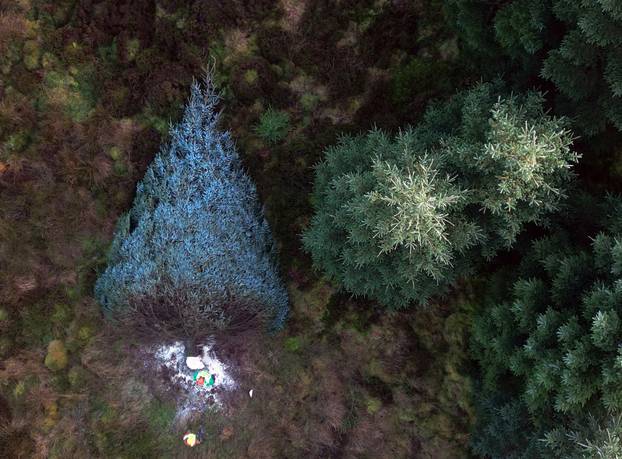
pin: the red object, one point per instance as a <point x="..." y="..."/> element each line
<point x="201" y="381"/>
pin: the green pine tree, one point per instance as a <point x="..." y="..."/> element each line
<point x="399" y="219"/>
<point x="576" y="44"/>
<point x="553" y="346"/>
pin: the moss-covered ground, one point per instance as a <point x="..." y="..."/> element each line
<point x="87" y="91"/>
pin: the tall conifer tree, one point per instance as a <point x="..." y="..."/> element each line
<point x="400" y="218"/>
<point x="195" y="254"/>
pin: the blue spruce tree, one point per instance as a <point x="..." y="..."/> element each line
<point x="194" y="256"/>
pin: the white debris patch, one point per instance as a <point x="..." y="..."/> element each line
<point x="195" y="363"/>
<point x="199" y="381"/>
<point x="217" y="367"/>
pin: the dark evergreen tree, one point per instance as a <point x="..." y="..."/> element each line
<point x="399" y="219"/>
<point x="504" y="429"/>
<point x="194" y="255"/>
<point x="576" y="44"/>
<point x="552" y="349"/>
<point x="508" y="38"/>
<point x="587" y="66"/>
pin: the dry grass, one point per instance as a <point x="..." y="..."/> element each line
<point x="172" y="313"/>
<point x="239" y="42"/>
<point x="363" y="438"/>
<point x="25" y="363"/>
<point x="293" y="10"/>
<point x="68" y="438"/>
<point x="96" y="358"/>
<point x="117" y="133"/>
<point x="13" y="26"/>
<point x="15" y="440"/>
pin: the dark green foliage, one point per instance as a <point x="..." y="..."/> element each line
<point x="471" y="19"/>
<point x="415" y="77"/>
<point x="552" y="346"/>
<point x="399" y="219"/>
<point x="504" y="430"/>
<point x="502" y="36"/>
<point x="521" y="26"/>
<point x="573" y="43"/>
<point x="273" y="125"/>
<point x="586" y="66"/>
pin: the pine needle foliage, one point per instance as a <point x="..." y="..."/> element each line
<point x="194" y="255"/>
<point x="553" y="347"/>
<point x="593" y="438"/>
<point x="400" y="218"/>
<point x="573" y="43"/>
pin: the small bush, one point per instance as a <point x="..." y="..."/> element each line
<point x="373" y="405"/>
<point x="309" y="101"/>
<point x="78" y="377"/>
<point x="5" y="346"/>
<point x="36" y="328"/>
<point x="273" y="125"/>
<point x="32" y="54"/>
<point x="62" y="314"/>
<point x="293" y="343"/>
<point x="74" y="91"/>
<point x="56" y="358"/>
<point x="251" y="76"/>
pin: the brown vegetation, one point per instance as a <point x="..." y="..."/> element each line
<point x="83" y="109"/>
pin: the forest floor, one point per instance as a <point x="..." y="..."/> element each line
<point x="87" y="90"/>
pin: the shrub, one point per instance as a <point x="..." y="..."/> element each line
<point x="399" y="219"/>
<point x="5" y="346"/>
<point x="309" y="101"/>
<point x="78" y="377"/>
<point x="552" y="347"/>
<point x="273" y="125"/>
<point x="56" y="358"/>
<point x="32" y="54"/>
<point x="194" y="255"/>
<point x="251" y="76"/>
<point x="35" y="326"/>
<point x="74" y="92"/>
<point x="293" y="343"/>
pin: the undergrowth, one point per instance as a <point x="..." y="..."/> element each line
<point x="83" y="108"/>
